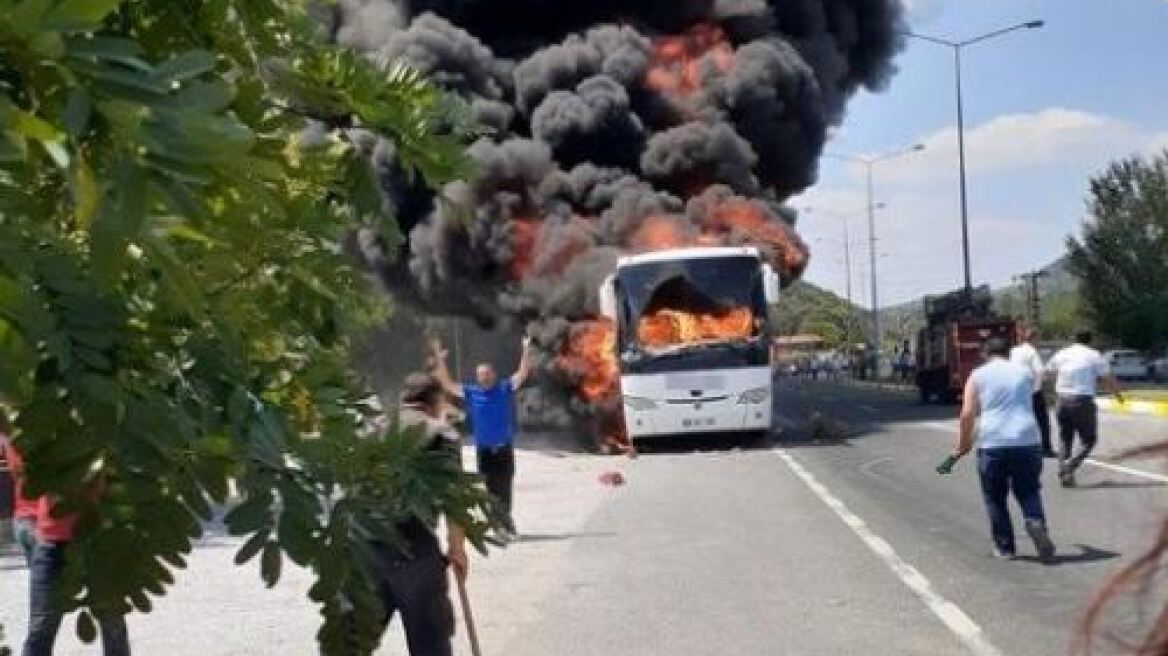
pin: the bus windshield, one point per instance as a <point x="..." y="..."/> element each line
<point x="674" y="305"/>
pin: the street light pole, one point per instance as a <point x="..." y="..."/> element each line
<point x="961" y="167"/>
<point x="876" y="336"/>
<point x="869" y="163"/>
<point x="957" y="46"/>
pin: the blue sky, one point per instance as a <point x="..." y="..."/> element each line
<point x="1044" y="110"/>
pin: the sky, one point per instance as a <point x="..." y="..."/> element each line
<point x="1045" y="109"/>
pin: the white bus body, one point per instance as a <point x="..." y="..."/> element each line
<point x="710" y="387"/>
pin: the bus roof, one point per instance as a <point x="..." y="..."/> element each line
<point x="688" y="253"/>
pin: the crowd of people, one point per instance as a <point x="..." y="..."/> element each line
<point x="1004" y="417"/>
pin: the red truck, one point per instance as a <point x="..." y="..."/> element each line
<point x="949" y="348"/>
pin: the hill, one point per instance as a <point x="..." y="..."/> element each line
<point x="805" y="308"/>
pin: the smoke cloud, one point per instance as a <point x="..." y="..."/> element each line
<point x="614" y="125"/>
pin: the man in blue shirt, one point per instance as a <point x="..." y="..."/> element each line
<point x="489" y="406"/>
<point x="997" y="402"/>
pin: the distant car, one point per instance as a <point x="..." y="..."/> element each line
<point x="1158" y="368"/>
<point x="1126" y="364"/>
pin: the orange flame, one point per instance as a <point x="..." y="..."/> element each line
<point x="679" y="62"/>
<point x="590" y="355"/>
<point x="741" y="220"/>
<point x="669" y="326"/>
<point x="524" y="234"/>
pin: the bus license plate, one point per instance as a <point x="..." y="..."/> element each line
<point x="697" y="422"/>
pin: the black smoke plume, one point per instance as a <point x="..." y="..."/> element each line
<point x="602" y="114"/>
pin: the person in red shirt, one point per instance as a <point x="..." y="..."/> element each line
<point x="54" y="533"/>
<point x="24" y="510"/>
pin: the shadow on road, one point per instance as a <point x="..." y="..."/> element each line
<point x="1118" y="485"/>
<point x="704" y="443"/>
<point x="1086" y="554"/>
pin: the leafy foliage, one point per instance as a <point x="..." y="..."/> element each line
<point x="1121" y="260"/>
<point x="176" y="308"/>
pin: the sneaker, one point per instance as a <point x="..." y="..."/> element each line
<point x="1002" y="554"/>
<point x="1037" y="532"/>
<point x="1067" y="477"/>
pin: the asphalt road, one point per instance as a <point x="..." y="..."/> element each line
<point x="851" y="545"/>
<point x="846" y="545"/>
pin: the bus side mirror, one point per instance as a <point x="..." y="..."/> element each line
<point x="770" y="285"/>
<point x="607" y="299"/>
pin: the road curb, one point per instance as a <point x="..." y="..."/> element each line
<point x="1159" y="408"/>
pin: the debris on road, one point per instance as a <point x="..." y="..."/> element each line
<point x="611" y="478"/>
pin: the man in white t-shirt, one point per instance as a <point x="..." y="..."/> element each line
<point x="1078" y="369"/>
<point x="1027" y="356"/>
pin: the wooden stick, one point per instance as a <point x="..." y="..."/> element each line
<point x="468" y="617"/>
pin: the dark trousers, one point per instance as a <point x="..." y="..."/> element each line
<point x="45" y="614"/>
<point x="1077" y="414"/>
<point x="417" y="589"/>
<point x="1005" y="470"/>
<point x="497" y="467"/>
<point x="1042" y="416"/>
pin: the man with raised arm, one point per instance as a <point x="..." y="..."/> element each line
<point x="490" y="408"/>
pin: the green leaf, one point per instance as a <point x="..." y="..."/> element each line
<point x="192" y="63"/>
<point x="86" y="193"/>
<point x="86" y="627"/>
<point x="78" y="109"/>
<point x="113" y="48"/>
<point x="253" y="514"/>
<point x="118" y="222"/>
<point x="26" y="17"/>
<point x="252" y="547"/>
<point x="270" y="564"/>
<point x="211" y="97"/>
<point x="175" y="275"/>
<point x="78" y="15"/>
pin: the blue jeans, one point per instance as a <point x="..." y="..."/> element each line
<point x="1002" y="470"/>
<point x="44" y="609"/>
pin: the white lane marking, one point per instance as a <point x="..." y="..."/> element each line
<point x="1130" y="471"/>
<point x="956" y="620"/>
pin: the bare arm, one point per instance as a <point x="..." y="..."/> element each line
<point x="968" y="421"/>
<point x="524" y="371"/>
<point x="1111" y="386"/>
<point x="442" y="371"/>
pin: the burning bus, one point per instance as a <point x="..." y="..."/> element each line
<point x="692" y="339"/>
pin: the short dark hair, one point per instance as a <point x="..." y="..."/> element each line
<point x="1083" y="336"/>
<point x="999" y="346"/>
<point x="421" y="389"/>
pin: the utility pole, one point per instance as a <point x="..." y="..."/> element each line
<point x="869" y="163"/>
<point x="1033" y="298"/>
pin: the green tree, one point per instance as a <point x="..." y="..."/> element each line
<point x="807" y="309"/>
<point x="1121" y="260"/>
<point x="176" y="309"/>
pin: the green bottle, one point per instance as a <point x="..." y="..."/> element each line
<point x="946" y="466"/>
